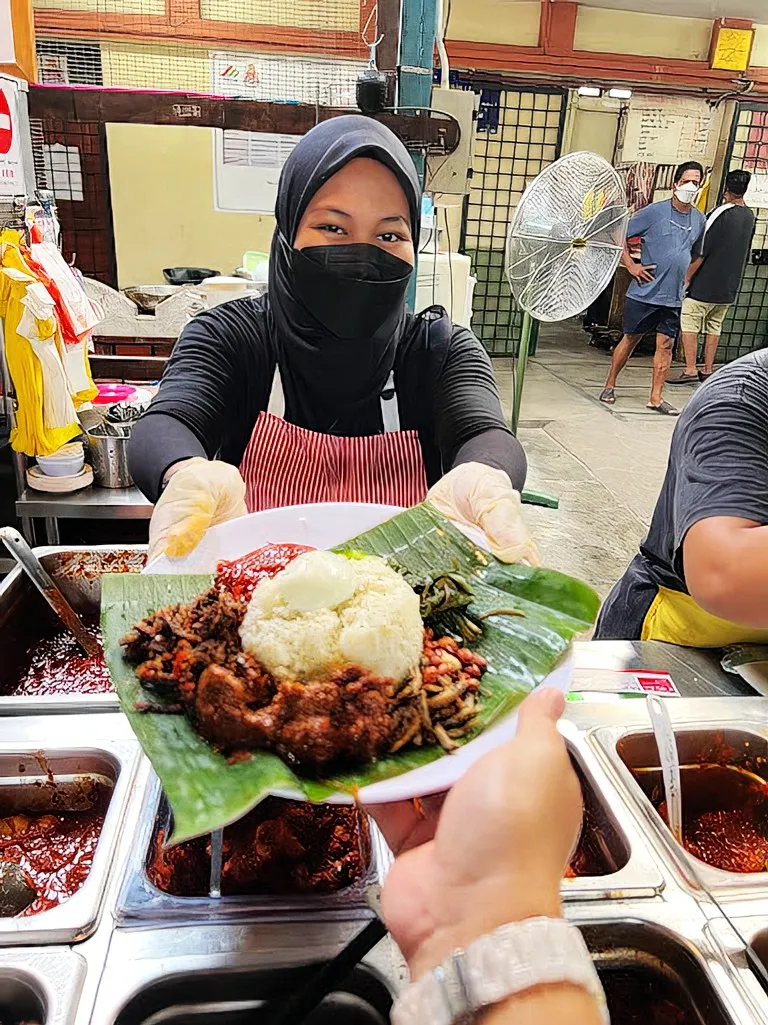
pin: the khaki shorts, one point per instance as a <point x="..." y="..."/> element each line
<point x="700" y="318"/>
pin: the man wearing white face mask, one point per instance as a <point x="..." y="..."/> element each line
<point x="671" y="234"/>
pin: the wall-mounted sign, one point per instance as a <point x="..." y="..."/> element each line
<point x="732" y="48"/>
<point x="11" y="169"/>
<point x="757" y="193"/>
<point x="7" y="49"/>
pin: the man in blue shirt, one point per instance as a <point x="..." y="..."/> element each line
<point x="671" y="233"/>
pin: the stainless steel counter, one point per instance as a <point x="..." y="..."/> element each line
<point x="118" y="965"/>
<point x="696" y="671"/>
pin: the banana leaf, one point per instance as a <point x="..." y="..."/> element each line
<point x="206" y="792"/>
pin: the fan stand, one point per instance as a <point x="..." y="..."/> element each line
<point x="528" y="497"/>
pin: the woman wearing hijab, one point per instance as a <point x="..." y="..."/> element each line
<point x="379" y="404"/>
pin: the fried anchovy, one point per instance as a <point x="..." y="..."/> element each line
<point x="147" y="707"/>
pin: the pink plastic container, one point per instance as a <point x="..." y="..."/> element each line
<point x="111" y="393"/>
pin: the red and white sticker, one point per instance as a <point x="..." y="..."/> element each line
<point x="626" y="681"/>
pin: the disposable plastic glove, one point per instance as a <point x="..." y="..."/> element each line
<point x="476" y="495"/>
<point x="199" y="495"/>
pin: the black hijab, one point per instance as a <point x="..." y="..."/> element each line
<point x="332" y="384"/>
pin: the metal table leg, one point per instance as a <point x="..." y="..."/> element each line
<point x="52" y="530"/>
<point x="28" y="530"/>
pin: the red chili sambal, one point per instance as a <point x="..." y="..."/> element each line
<point x="55" y="664"/>
<point x="725" y="817"/>
<point x="55" y="849"/>
<point x="240" y="576"/>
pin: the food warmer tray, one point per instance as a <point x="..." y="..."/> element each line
<point x="701" y="726"/>
<point x="69" y="748"/>
<point x="141" y="902"/>
<point x="77" y="571"/>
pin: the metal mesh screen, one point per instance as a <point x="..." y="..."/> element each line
<point x="518" y="133"/>
<point x="71" y="63"/>
<point x="228" y="47"/>
<point x="746" y="327"/>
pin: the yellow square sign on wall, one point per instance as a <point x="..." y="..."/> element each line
<point x="732" y="48"/>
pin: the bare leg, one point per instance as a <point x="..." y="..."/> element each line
<point x="620" y="358"/>
<point x="710" y="351"/>
<point x="690" y="348"/>
<point x="662" y="361"/>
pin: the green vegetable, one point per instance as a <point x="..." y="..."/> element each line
<point x="206" y="792"/>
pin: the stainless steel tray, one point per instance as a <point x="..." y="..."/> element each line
<point x="730" y="725"/>
<point x="637" y="874"/>
<point x="752" y="927"/>
<point x="70" y="747"/>
<point x="78" y="572"/>
<point x="142" y="902"/>
<point x="151" y="972"/>
<point x="40" y="986"/>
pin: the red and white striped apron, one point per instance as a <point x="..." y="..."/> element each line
<point x="288" y="465"/>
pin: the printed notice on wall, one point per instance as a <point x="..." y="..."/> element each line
<point x="669" y="130"/>
<point x="757" y="193"/>
<point x="11" y="170"/>
<point x="7" y="53"/>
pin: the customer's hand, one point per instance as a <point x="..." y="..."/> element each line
<point x="477" y="495"/>
<point x="644" y="275"/>
<point x="199" y="495"/>
<point x="494" y="852"/>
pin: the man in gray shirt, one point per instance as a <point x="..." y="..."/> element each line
<point x="671" y="234"/>
<point x="701" y="575"/>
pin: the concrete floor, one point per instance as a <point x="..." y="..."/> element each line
<point x="605" y="464"/>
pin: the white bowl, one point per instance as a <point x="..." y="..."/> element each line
<point x="67" y="462"/>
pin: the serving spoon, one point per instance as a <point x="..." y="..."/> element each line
<point x="32" y="566"/>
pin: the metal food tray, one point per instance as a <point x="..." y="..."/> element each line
<point x="28" y="747"/>
<point x="638" y="873"/>
<point x="78" y="572"/>
<point x="732" y="727"/>
<point x="752" y="929"/>
<point x="41" y="986"/>
<point x="141" y="902"/>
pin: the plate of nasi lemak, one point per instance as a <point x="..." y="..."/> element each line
<point x="337" y="652"/>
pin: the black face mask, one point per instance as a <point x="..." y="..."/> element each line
<point x="352" y="290"/>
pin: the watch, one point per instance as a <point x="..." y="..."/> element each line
<point x="512" y="959"/>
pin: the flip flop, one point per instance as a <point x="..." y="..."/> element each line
<point x="704" y="377"/>
<point x="684" y="379"/>
<point x="664" y="408"/>
<point x="608" y="396"/>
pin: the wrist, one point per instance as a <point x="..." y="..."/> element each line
<point x="173" y="469"/>
<point x="500" y="905"/>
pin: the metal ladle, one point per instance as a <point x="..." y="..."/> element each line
<point x="31" y="565"/>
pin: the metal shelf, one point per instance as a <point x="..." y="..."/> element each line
<point x="91" y="503"/>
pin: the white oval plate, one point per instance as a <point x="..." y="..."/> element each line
<point x="325" y="526"/>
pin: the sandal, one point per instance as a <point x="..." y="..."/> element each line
<point x="608" y="396"/>
<point x="664" y="408"/>
<point x="705" y="377"/>
<point x="684" y="379"/>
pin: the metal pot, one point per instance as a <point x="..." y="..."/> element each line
<point x="109" y="458"/>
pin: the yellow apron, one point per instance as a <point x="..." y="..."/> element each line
<point x="675" y="617"/>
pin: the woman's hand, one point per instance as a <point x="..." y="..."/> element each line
<point x="494" y="852"/>
<point x="199" y="495"/>
<point x="476" y="495"/>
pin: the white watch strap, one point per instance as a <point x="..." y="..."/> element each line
<point x="512" y="959"/>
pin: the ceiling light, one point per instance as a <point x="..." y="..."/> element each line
<point x="590" y="90"/>
<point x="620" y="94"/>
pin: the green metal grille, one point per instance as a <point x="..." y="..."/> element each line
<point x="519" y="132"/>
<point x="746" y="326"/>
